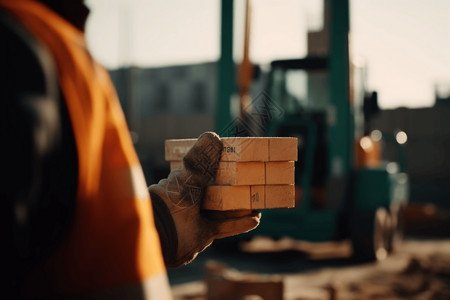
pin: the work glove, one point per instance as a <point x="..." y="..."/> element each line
<point x="184" y="228"/>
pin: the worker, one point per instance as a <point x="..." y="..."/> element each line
<point x="78" y="218"/>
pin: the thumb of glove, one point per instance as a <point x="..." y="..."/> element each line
<point x="185" y="187"/>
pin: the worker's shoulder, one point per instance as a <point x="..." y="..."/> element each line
<point x="25" y="63"/>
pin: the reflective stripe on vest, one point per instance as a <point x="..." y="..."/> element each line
<point x="114" y="242"/>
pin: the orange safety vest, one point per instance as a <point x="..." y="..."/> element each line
<point x="113" y="246"/>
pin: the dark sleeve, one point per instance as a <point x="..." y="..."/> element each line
<point x="165" y="227"/>
<point x="38" y="155"/>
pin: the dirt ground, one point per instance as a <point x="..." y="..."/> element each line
<point x="419" y="269"/>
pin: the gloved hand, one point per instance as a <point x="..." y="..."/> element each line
<point x="180" y="196"/>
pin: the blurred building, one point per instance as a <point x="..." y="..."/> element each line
<point x="162" y="103"/>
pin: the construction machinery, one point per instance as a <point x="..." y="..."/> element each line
<point x="345" y="187"/>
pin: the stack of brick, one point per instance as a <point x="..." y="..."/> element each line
<point x="253" y="173"/>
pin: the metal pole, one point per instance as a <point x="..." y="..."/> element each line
<point x="341" y="129"/>
<point x="226" y="84"/>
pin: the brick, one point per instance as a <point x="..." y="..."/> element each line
<point x="280" y="172"/>
<point x="175" y="164"/>
<point x="249" y="197"/>
<point x="245" y="149"/>
<point x="220" y="197"/>
<point x="283" y="149"/>
<point x="176" y="149"/>
<point x="240" y="173"/>
<point x="279" y="196"/>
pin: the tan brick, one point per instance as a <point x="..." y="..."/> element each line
<point x="175" y="164"/>
<point x="280" y="172"/>
<point x="279" y="196"/>
<point x="220" y="197"/>
<point x="245" y="149"/>
<point x="283" y="149"/>
<point x="240" y="173"/>
<point x="176" y="149"/>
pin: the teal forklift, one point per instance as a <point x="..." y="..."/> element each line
<point x="345" y="189"/>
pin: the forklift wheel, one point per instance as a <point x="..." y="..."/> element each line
<point x="371" y="235"/>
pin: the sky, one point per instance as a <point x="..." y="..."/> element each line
<point x="405" y="44"/>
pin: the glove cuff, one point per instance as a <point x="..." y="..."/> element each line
<point x="166" y="229"/>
